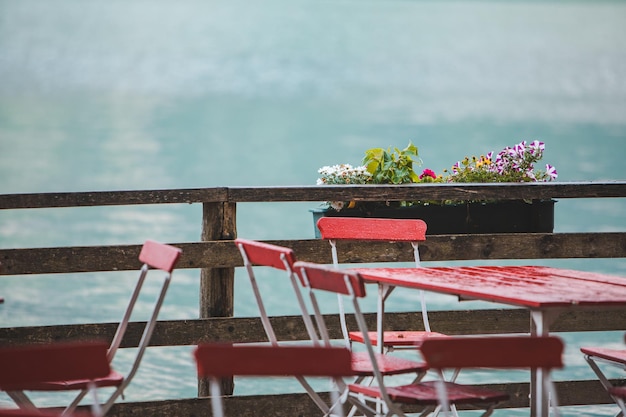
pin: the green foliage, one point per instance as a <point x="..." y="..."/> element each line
<point x="392" y="167"/>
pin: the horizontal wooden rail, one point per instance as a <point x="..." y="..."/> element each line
<point x="289" y="405"/>
<point x="224" y="254"/>
<point x="112" y="198"/>
<point x="250" y="330"/>
<point x="456" y="191"/>
<point x="471" y="191"/>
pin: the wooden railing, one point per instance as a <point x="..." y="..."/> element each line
<point x="216" y="257"/>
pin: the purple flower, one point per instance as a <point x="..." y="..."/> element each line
<point x="519" y="149"/>
<point x="551" y="171"/>
<point x="537" y="145"/>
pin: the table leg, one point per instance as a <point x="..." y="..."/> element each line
<point x="383" y="292"/>
<point x="380" y="317"/>
<point x="539" y="398"/>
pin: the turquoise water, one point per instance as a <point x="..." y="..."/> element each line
<point x="152" y="95"/>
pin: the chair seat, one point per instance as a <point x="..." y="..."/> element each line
<point x="397" y="338"/>
<point x="425" y="393"/>
<point x="114" y="379"/>
<point x="388" y="365"/>
<point x="613" y="355"/>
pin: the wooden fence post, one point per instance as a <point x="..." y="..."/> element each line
<point x="217" y="284"/>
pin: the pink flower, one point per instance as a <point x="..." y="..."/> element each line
<point x="428" y="173"/>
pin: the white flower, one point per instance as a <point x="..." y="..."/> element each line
<point x="337" y="205"/>
<point x="343" y="174"/>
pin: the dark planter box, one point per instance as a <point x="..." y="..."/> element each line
<point x="508" y="216"/>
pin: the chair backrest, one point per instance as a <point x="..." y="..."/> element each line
<point x="321" y="277"/>
<point x="278" y="257"/>
<point x="215" y="361"/>
<point x="265" y="254"/>
<point x="360" y="228"/>
<point x="22" y="367"/>
<point x="503" y="352"/>
<point x="227" y="360"/>
<point x="493" y="352"/>
<point x="25" y="367"/>
<point x="159" y="255"/>
<point x="376" y="229"/>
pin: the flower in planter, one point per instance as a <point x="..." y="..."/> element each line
<point x="516" y="164"/>
<point x="395" y="166"/>
<point x="380" y="166"/>
<point x="343" y="174"/>
<point x="428" y="175"/>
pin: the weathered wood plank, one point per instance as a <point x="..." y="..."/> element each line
<point x="472" y="247"/>
<point x="110" y="258"/>
<point x="249" y="329"/>
<point x="217" y="285"/>
<point x="319" y="193"/>
<point x="224" y="254"/>
<point x="112" y="198"/>
<point x="571" y="393"/>
<point x="413" y="192"/>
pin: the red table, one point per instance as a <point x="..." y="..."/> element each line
<point x="545" y="291"/>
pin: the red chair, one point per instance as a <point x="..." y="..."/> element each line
<point x="595" y="356"/>
<point x="27" y="367"/>
<point x="262" y="254"/>
<point x="316" y="278"/>
<point x="153" y="255"/>
<point x="440" y="354"/>
<point x="256" y="253"/>
<point x="387" y="230"/>
<point x="504" y="352"/>
<point x="280" y="258"/>
<point x="215" y="361"/>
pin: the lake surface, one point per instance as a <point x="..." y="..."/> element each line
<point x="156" y="94"/>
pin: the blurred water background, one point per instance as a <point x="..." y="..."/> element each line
<point x="158" y="94"/>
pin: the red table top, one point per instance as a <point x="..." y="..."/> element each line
<point x="528" y="286"/>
